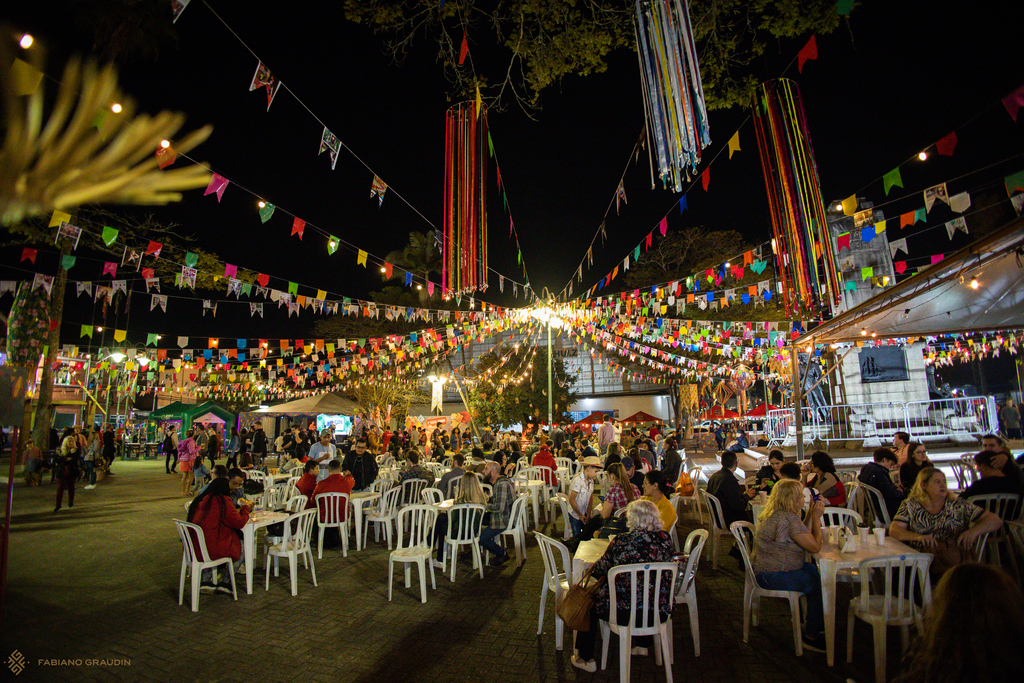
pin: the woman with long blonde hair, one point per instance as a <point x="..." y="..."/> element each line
<point x="470" y="493"/>
<point x="780" y="542"/>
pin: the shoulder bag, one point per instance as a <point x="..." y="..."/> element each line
<point x="574" y="609"/>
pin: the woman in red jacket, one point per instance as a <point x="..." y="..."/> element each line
<point x="214" y="511"/>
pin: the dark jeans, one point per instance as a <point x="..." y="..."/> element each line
<point x="440" y="531"/>
<point x="69" y="484"/>
<point x="91" y="469"/>
<point x="171" y="460"/>
<point x="487" y="537"/>
<point x="807" y="581"/>
<point x="586" y="641"/>
<point x="232" y="460"/>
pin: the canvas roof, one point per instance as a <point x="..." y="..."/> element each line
<point x="940" y="300"/>
<point x="641" y="416"/>
<point x="323" y="404"/>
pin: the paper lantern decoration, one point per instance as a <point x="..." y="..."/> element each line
<point x="803" y="246"/>
<point x="464" y="245"/>
<point x="677" y="118"/>
<point x="742" y="379"/>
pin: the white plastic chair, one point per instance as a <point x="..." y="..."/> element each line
<point x="1005" y="506"/>
<point x="876" y="503"/>
<point x="332" y="509"/>
<point x="840" y="517"/>
<point x="464" y="525"/>
<point x="295" y="543"/>
<point x="716" y="525"/>
<point x="517" y="523"/>
<point x="694" y="499"/>
<point x="752" y="592"/>
<point x="414" y="545"/>
<point x="563" y="506"/>
<point x="292" y="505"/>
<point x="383" y="515"/>
<point x="432" y="496"/>
<point x="381" y="485"/>
<point x="895" y="606"/>
<point x="196" y="558"/>
<point x="686" y="587"/>
<point x="411" y="490"/>
<point x="648" y="578"/>
<point x="557" y="582"/>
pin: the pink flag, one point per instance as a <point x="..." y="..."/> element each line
<point x="705" y="177"/>
<point x="230" y="270"/>
<point x="111" y="268"/>
<point x="664" y="226"/>
<point x="900" y="266"/>
<point x="1014" y="101"/>
<point x="430" y="288"/>
<point x="937" y="257"/>
<point x="218" y="184"/>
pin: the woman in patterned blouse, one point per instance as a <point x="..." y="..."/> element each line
<point x="644" y="542"/>
<point x="940" y="523"/>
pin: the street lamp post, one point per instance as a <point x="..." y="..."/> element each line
<point x="550" y="392"/>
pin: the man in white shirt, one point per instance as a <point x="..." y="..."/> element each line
<point x="322" y="452"/>
<point x="605" y="435"/>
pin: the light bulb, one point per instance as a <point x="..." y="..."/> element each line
<point x="863" y="332"/>
<point x="26" y="41"/>
<point x="974" y="283"/>
<point x="923" y="156"/>
<point x="115" y="107"/>
<point x="165" y="143"/>
<point x="262" y="203"/>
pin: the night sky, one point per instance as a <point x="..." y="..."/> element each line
<point x="898" y="77"/>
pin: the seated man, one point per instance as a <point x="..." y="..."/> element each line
<point x="724" y="486"/>
<point x="335" y="482"/>
<point x="993" y="480"/>
<point x="218" y="472"/>
<point x="307" y="482"/>
<point x="500" y="509"/>
<point x="456" y="472"/>
<point x="34" y="464"/>
<point x="362" y="465"/>
<point x="876" y="475"/>
<point x="635" y="477"/>
<point x="414" y="470"/>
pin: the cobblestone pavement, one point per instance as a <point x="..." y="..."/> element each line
<point x="92" y="596"/>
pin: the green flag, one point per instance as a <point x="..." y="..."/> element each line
<point x="151" y="339"/>
<point x="266" y="211"/>
<point x="191" y="259"/>
<point x="109" y="235"/>
<point x="67" y="262"/>
<point x="890" y="179"/>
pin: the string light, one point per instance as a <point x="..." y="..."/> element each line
<point x="26" y="41"/>
<point x="165" y="143"/>
<point x="116" y="107"/>
<point x="923" y="156"/>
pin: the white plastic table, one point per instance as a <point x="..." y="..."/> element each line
<point x="358" y="499"/>
<point x="535" y="486"/>
<point x="831" y="560"/>
<point x="256" y="520"/>
<point x="587" y="554"/>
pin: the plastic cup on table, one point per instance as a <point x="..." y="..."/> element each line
<point x="863" y="532"/>
<point x="880" y="535"/>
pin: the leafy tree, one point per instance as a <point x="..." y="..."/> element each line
<point x="508" y="393"/>
<point x="683" y="253"/>
<point x="534" y="44"/>
<point x="421" y="257"/>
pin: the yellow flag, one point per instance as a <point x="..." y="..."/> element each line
<point x="850" y="205"/>
<point x="321" y="294"/>
<point x="119" y="335"/>
<point x="880" y="228"/>
<point x="25" y="78"/>
<point x="734" y="143"/>
<point x="59" y="217"/>
<point x="361" y="258"/>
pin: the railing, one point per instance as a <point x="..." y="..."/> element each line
<point x="949" y="419"/>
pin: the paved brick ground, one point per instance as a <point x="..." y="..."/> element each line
<point x="99" y="582"/>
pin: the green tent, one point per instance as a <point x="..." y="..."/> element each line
<point x="200" y="410"/>
<point x="174" y="411"/>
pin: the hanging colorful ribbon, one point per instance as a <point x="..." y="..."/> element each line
<point x="464" y="252"/>
<point x="803" y="245"/>
<point x="677" y="118"/>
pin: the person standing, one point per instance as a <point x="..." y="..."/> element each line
<point x="1010" y="417"/>
<point x="93" y="452"/>
<point x="605" y="435"/>
<point x="67" y="469"/>
<point x="233" y="446"/>
<point x="170" y="449"/>
<point x="362" y="466"/>
<point x="259" y="443"/>
<point x="187" y="453"/>
<point x="213" y="447"/>
<point x="108" y="446"/>
<point x="323" y="452"/>
<point x="581" y="491"/>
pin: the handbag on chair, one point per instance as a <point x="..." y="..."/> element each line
<point x="574" y="609"/>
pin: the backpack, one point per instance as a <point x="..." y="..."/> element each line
<point x="251" y="487"/>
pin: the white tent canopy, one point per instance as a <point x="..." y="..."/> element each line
<point x="324" y="404"/>
<point x="208" y="418"/>
<point x="940" y="299"/>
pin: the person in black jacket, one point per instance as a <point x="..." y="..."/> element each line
<point x="724" y="486"/>
<point x="876" y="474"/>
<point x="362" y="465"/>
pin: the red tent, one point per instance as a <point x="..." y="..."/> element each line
<point x="760" y="411"/>
<point x="641" y="416"/>
<point x="594" y="418"/>
<point x="717" y="413"/>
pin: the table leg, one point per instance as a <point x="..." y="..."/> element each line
<point x="249" y="537"/>
<point x="358" y="510"/>
<point x="536" y="506"/>
<point x="828" y="597"/>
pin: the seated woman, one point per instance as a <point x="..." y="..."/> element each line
<point x="821" y="475"/>
<point x="939" y="523"/>
<point x="974" y="599"/>
<point x="470" y="493"/>
<point x="740" y="443"/>
<point x="222" y="523"/>
<point x="645" y="541"/>
<point x="614" y="454"/>
<point x="780" y="542"/>
<point x="657" y="490"/>
<point x="769" y="474"/>
<point x="916" y="461"/>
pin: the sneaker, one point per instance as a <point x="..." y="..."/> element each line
<point x="438" y="564"/>
<point x="814" y="644"/>
<point x="223" y="588"/>
<point x="639" y="652"/>
<point x="90" y="487"/>
<point x="498" y="560"/>
<point x="589" y="667"/>
<point x="207" y="587"/>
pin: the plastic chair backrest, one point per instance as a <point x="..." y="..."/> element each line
<point x="298" y="526"/>
<point x="695" y="474"/>
<point x="876" y="503"/>
<point x="381" y="485"/>
<point x="453" y="487"/>
<point x="517" y="517"/>
<point x="548" y="547"/>
<point x="416" y="526"/>
<point x="296" y="503"/>
<point x="563" y="463"/>
<point x="700" y="537"/>
<point x="412" y="490"/>
<point x="840" y="517"/>
<point x="645" y="581"/>
<point x="1003" y="505"/>
<point x="432" y="496"/>
<point x="744" y="534"/>
<point x="715" y="509"/>
<point x="333" y="508"/>
<point x="959" y="474"/>
<point x="465" y="521"/>
<point x="257" y="475"/>
<point x="389" y="501"/>
<point x="487" y="489"/>
<point x="900" y="573"/>
<point x="193" y="540"/>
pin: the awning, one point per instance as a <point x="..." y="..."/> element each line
<point x="324" y="404"/>
<point x="941" y="299"/>
<point x="594" y="418"/>
<point x="641" y="416"/>
<point x="208" y="418"/>
<point x="717" y="413"/>
<point x="760" y="411"/>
